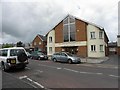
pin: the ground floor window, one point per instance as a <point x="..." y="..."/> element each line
<point x="93" y="48"/>
<point x="50" y="49"/>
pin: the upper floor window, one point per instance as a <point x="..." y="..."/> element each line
<point x="101" y="34"/>
<point x="69" y="29"/>
<point x="92" y="35"/>
<point x="93" y="48"/>
<point x="50" y="39"/>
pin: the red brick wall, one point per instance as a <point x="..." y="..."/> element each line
<point x="82" y="51"/>
<point x="118" y="50"/>
<point x="81" y="30"/>
<point x="59" y="33"/>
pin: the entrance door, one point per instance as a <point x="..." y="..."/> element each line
<point x="72" y="50"/>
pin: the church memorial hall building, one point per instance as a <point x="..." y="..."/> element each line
<point x="79" y="37"/>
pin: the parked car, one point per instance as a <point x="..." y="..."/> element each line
<point x="28" y="54"/>
<point x="13" y="57"/>
<point x="65" y="57"/>
<point x="38" y="56"/>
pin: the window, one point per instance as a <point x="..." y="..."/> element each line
<point x="34" y="43"/>
<point x="4" y="52"/>
<point x="50" y="49"/>
<point x="92" y="34"/>
<point x="14" y="52"/>
<point x="69" y="29"/>
<point x="50" y="39"/>
<point x="101" y="48"/>
<point x="93" y="48"/>
<point x="101" y="34"/>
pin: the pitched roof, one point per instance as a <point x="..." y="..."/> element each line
<point x="112" y="44"/>
<point x="98" y="26"/>
<point x="43" y="38"/>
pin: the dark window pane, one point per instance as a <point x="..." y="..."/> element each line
<point x="65" y="21"/>
<point x="72" y="28"/>
<point x="65" y="29"/>
<point x="66" y="39"/>
<point x="72" y="20"/>
<point x="72" y="36"/>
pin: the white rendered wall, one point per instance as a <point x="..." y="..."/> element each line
<point x="97" y="42"/>
<point x="51" y="34"/>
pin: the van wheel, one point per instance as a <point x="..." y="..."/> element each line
<point x="70" y="61"/>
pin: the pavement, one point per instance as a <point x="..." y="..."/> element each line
<point x="94" y="60"/>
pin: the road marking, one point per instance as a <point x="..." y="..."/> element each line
<point x="28" y="68"/>
<point x="50" y="66"/>
<point x="38" y="84"/>
<point x="82" y="72"/>
<point x="99" y="73"/>
<point x="39" y="71"/>
<point x="29" y="79"/>
<point x="22" y="77"/>
<point x="114" y="76"/>
<point x="71" y="70"/>
<point x="59" y="68"/>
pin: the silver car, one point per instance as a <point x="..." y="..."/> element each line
<point x="65" y="57"/>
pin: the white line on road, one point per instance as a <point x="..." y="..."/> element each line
<point x="50" y="66"/>
<point x="71" y="70"/>
<point x="28" y="68"/>
<point x="22" y="77"/>
<point x="82" y="72"/>
<point x="114" y="76"/>
<point x="59" y="68"/>
<point x="29" y="79"/>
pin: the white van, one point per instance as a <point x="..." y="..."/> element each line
<point x="13" y="57"/>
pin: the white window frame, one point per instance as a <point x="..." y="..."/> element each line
<point x="101" y="34"/>
<point x="69" y="26"/>
<point x="92" y="35"/>
<point x="93" y="48"/>
<point x="50" y="49"/>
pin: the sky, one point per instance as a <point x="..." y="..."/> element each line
<point x="22" y="20"/>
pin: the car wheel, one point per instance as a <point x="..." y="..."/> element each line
<point x="70" y="61"/>
<point x="39" y="58"/>
<point x="54" y="60"/>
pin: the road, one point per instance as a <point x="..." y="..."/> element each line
<point x="48" y="74"/>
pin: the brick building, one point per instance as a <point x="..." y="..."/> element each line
<point x="39" y="43"/>
<point x="78" y="37"/>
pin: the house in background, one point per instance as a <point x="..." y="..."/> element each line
<point x="39" y="43"/>
<point x="112" y="47"/>
<point x="78" y="37"/>
<point x="118" y="45"/>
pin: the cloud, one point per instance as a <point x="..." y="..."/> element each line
<point x="23" y="20"/>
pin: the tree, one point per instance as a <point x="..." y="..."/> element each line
<point x="19" y="44"/>
<point x="7" y="45"/>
